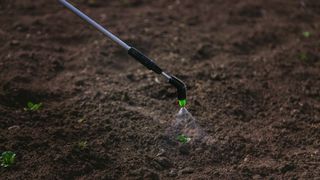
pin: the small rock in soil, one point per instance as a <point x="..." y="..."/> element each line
<point x="14" y="128"/>
<point x="14" y="43"/>
<point x="257" y="177"/>
<point x="161" y="152"/>
<point x="215" y="76"/>
<point x="187" y="170"/>
<point x="20" y="27"/>
<point x="164" y="162"/>
<point x="173" y="173"/>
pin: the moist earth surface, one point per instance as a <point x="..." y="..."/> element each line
<point x="252" y="68"/>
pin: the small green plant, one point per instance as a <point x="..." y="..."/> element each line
<point x="7" y="159"/>
<point x="82" y="145"/>
<point x="303" y="56"/>
<point x="33" y="106"/>
<point x="183" y="139"/>
<point x="306" y="34"/>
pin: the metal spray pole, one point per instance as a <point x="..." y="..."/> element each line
<point x="144" y="60"/>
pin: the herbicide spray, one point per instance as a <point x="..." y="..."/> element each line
<point x="185" y="128"/>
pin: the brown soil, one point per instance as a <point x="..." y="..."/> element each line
<point x="253" y="86"/>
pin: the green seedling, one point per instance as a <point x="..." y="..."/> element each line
<point x="7" y="159"/>
<point x="303" y="56"/>
<point x="82" y="145"/>
<point x="183" y="139"/>
<point x="33" y="106"/>
<point x="306" y="34"/>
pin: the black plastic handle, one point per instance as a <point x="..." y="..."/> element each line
<point x="147" y="62"/>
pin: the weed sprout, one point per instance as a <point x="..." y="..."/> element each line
<point x="82" y="145"/>
<point x="306" y="34"/>
<point x="303" y="56"/>
<point x="183" y="139"/>
<point x="7" y="159"/>
<point x="33" y="106"/>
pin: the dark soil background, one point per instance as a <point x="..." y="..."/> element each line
<point x="253" y="86"/>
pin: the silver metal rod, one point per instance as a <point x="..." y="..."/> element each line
<point x="166" y="76"/>
<point x="95" y="24"/>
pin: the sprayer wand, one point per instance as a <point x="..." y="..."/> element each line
<point x="144" y="60"/>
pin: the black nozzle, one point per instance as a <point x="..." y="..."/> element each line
<point x="147" y="62"/>
<point x="181" y="87"/>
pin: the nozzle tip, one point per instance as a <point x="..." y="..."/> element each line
<point x="182" y="102"/>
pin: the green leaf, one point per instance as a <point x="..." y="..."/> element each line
<point x="36" y="107"/>
<point x="183" y="139"/>
<point x="82" y="145"/>
<point x="30" y="105"/>
<point x="33" y="106"/>
<point x="306" y="34"/>
<point x="7" y="159"/>
<point x="303" y="56"/>
<point x="182" y="103"/>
